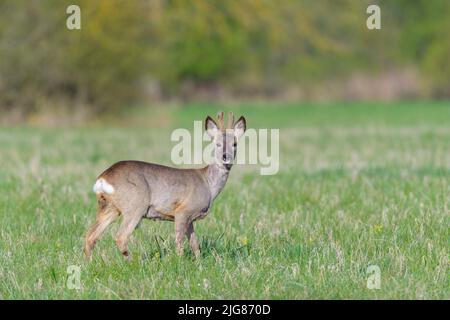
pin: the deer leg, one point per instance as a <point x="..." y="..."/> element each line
<point x="106" y="215"/>
<point x="181" y="226"/>
<point x="193" y="240"/>
<point x="129" y="223"/>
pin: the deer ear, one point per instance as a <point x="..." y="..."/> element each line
<point x="211" y="127"/>
<point x="239" y="127"/>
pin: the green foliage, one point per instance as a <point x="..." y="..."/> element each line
<point x="100" y="65"/>
<point x="250" y="44"/>
<point x="425" y="38"/>
<point x="225" y="40"/>
<point x="110" y="55"/>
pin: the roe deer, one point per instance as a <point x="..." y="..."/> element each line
<point x="139" y="190"/>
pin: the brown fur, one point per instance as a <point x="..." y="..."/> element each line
<point x="146" y="190"/>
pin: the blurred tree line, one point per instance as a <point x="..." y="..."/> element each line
<point x="126" y="48"/>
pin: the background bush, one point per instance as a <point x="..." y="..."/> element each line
<point x="131" y="51"/>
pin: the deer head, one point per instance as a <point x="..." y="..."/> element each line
<point x="225" y="138"/>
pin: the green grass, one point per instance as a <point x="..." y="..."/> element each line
<point x="359" y="185"/>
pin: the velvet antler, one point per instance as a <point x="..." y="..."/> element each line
<point x="230" y="120"/>
<point x="221" y="121"/>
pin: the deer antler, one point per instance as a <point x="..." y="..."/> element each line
<point x="220" y="123"/>
<point x="230" y="120"/>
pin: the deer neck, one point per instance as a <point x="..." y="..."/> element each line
<point x="216" y="175"/>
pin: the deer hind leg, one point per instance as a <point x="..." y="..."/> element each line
<point x="129" y="223"/>
<point x="193" y="240"/>
<point x="106" y="214"/>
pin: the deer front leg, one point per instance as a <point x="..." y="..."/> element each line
<point x="193" y="240"/>
<point x="181" y="226"/>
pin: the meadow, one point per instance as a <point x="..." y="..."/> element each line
<point x="359" y="185"/>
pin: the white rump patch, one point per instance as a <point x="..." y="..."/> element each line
<point x="102" y="186"/>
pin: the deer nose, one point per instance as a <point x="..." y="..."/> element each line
<point x="226" y="158"/>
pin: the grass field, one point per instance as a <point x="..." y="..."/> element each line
<point x="359" y="185"/>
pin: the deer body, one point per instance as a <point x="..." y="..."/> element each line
<point x="138" y="190"/>
<point x="165" y="191"/>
